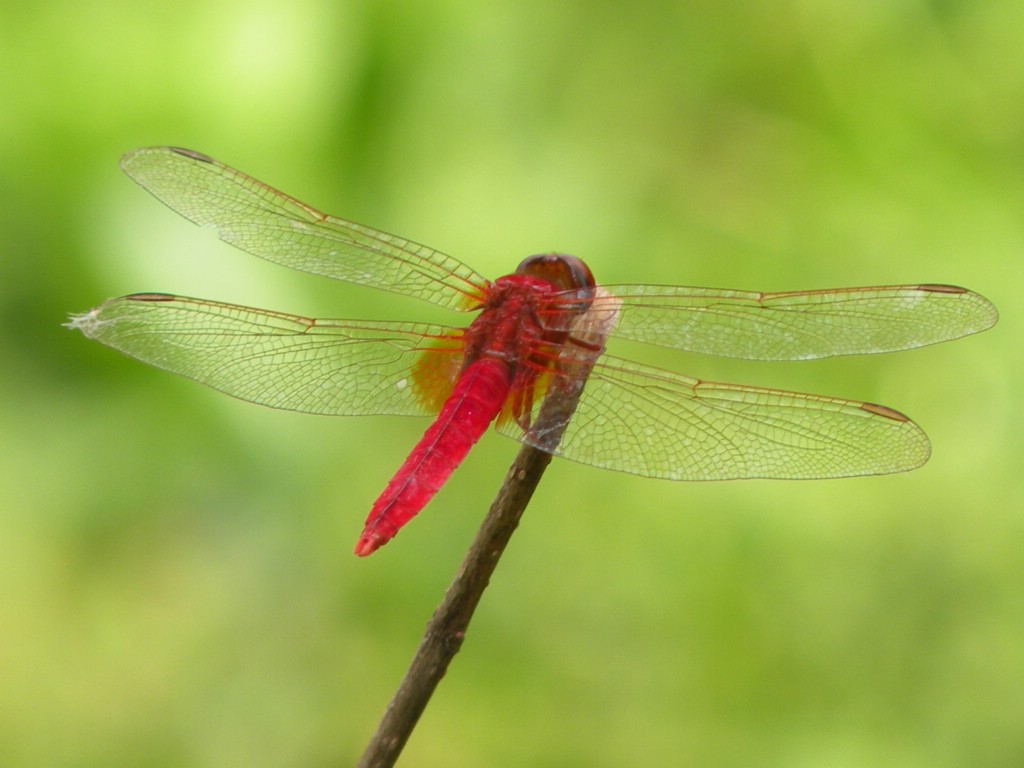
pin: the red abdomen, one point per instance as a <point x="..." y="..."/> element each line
<point x="474" y="403"/>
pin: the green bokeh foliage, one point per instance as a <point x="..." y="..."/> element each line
<point x="176" y="586"/>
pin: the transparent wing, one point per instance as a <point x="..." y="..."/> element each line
<point x="799" y="325"/>
<point x="651" y="422"/>
<point x="630" y="417"/>
<point x="284" y="361"/>
<point x="269" y="224"/>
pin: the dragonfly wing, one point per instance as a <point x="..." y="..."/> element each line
<point x="284" y="361"/>
<point x="269" y="224"/>
<point x="799" y="325"/>
<point x="651" y="422"/>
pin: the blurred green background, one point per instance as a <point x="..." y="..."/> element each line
<point x="176" y="583"/>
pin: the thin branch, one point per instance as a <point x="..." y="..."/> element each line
<point x="447" y="627"/>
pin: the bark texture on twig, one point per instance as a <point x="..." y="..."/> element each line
<point x="447" y="627"/>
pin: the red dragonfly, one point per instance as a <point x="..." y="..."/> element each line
<point x="533" y="329"/>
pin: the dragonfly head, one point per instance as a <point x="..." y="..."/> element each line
<point x="567" y="273"/>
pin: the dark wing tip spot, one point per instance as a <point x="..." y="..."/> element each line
<point x="884" y="411"/>
<point x="192" y="153"/>
<point x="940" y="288"/>
<point x="150" y="297"/>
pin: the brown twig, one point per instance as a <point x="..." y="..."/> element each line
<point x="447" y="627"/>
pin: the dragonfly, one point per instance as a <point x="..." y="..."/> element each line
<point x="539" y="332"/>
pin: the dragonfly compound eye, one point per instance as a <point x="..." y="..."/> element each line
<point x="563" y="271"/>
